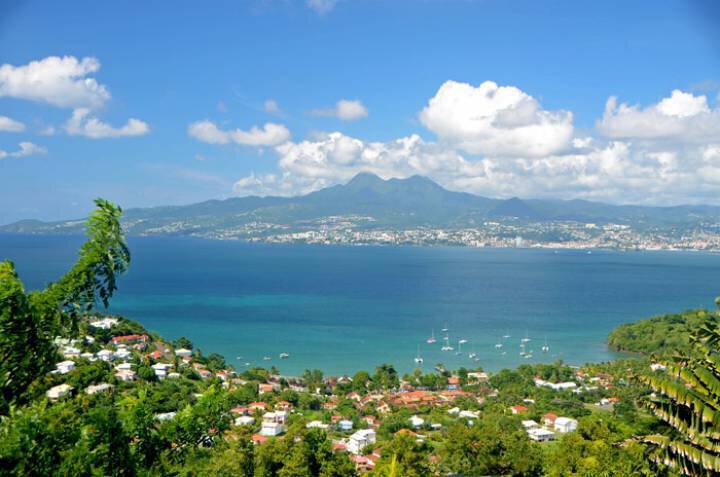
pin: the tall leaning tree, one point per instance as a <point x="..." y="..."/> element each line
<point x="30" y="321"/>
<point x="687" y="397"/>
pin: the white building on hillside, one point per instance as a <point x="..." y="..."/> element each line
<point x="565" y="424"/>
<point x="360" y="440"/>
<point x="58" y="392"/>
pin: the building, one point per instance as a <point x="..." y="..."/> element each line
<point x="129" y="339"/>
<point x="345" y="425"/>
<point x="244" y="421"/>
<point x="549" y="419"/>
<point x="541" y="434"/>
<point x="530" y="425"/>
<point x="58" y="392"/>
<point x="360" y="440"/>
<point x="271" y="429"/>
<point x="316" y="425"/>
<point x="518" y="409"/>
<point x="565" y="424"/>
<point x="416" y="421"/>
<point x="183" y="353"/>
<point x="65" y="367"/>
<point x="98" y="388"/>
<point x="104" y="324"/>
<point x="126" y="375"/>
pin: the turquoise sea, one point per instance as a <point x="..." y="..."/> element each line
<point x="341" y="309"/>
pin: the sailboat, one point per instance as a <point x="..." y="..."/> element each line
<point x="446" y="346"/>
<point x="522" y="349"/>
<point x="472" y="354"/>
<point x="463" y="341"/>
<point x="459" y="351"/>
<point x="526" y="339"/>
<point x="284" y="355"/>
<point x="432" y="339"/>
<point x="445" y="330"/>
<point x="545" y="347"/>
<point x="418" y="359"/>
<point x="498" y="345"/>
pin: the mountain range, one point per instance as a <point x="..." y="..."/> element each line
<point x="371" y="202"/>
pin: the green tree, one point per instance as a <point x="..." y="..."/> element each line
<point x="687" y="397"/>
<point x="29" y="321"/>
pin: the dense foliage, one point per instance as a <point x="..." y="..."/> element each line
<point x="661" y="335"/>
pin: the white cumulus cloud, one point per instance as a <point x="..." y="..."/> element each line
<point x="496" y="121"/>
<point x="681" y="117"/>
<point x="345" y="109"/>
<point x="270" y="134"/>
<point x="62" y="82"/>
<point x="26" y="149"/>
<point x="10" y="125"/>
<point x="82" y="123"/>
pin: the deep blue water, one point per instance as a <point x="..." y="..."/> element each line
<point x="341" y="309"/>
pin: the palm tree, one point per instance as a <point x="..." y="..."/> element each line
<point x="687" y="397"/>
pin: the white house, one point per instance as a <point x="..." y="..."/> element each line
<point x="105" y="355"/>
<point x="271" y="429"/>
<point x="565" y="424"/>
<point x="183" y="353"/>
<point x="165" y="416"/>
<point x="316" y="424"/>
<point x="58" y="392"/>
<point x="71" y="352"/>
<point x="530" y="425"/>
<point x="98" y="388"/>
<point x="541" y="434"/>
<point x="122" y="353"/>
<point x="360" y="440"/>
<point x="345" y="425"/>
<point x="244" y="421"/>
<point x="88" y="356"/>
<point x="104" y="324"/>
<point x="125" y="375"/>
<point x="417" y="421"/>
<point x="65" y="367"/>
<point x="469" y="414"/>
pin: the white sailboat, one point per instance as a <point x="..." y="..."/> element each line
<point x="545" y="347"/>
<point x="418" y="359"/>
<point x="498" y="345"/>
<point x="446" y="346"/>
<point x="472" y="354"/>
<point x="459" y="351"/>
<point x="526" y="339"/>
<point x="446" y="329"/>
<point x="432" y="339"/>
<point x="284" y="355"/>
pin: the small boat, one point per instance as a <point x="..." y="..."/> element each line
<point x="284" y="355"/>
<point x="472" y="354"/>
<point x="504" y="353"/>
<point x="462" y="341"/>
<point x="238" y="358"/>
<point x="526" y="339"/>
<point x="440" y="369"/>
<point x="446" y="346"/>
<point x="432" y="339"/>
<point x="506" y="336"/>
<point x="446" y="329"/>
<point x="266" y="358"/>
<point x="246" y="364"/>
<point x="418" y="359"/>
<point x="459" y="351"/>
<point x="545" y="347"/>
<point x="498" y="345"/>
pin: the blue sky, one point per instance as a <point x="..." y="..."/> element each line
<point x="216" y="64"/>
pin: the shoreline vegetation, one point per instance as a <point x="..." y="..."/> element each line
<point x="90" y="394"/>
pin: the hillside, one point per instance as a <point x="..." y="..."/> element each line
<point x="661" y="335"/>
<point x="368" y="203"/>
